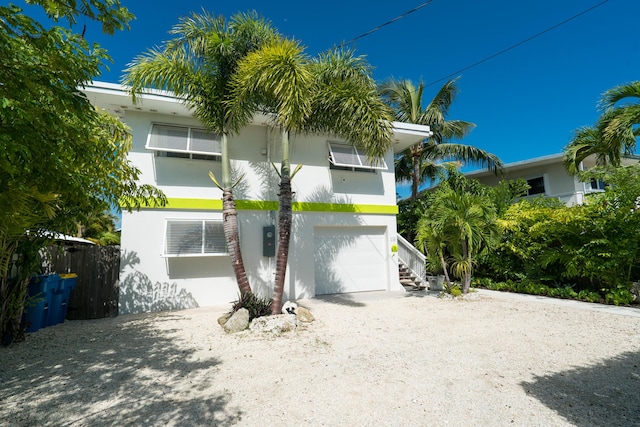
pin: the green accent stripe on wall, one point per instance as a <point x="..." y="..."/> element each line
<point x="195" y="204"/>
<point x="257" y="205"/>
<point x="346" y="207"/>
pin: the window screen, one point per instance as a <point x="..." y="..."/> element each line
<point x="350" y="156"/>
<point x="182" y="139"/>
<point x="194" y="237"/>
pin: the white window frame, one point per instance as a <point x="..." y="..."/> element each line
<point x="215" y="152"/>
<point x="168" y="252"/>
<point x="600" y="185"/>
<point x="359" y="162"/>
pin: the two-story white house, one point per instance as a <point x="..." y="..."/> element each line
<point x="344" y="212"/>
<point x="548" y="177"/>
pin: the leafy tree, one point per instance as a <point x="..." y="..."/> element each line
<point x="421" y="162"/>
<point x="109" y="13"/>
<point x="333" y="93"/>
<point x="613" y="135"/>
<point x="60" y="158"/>
<point x="409" y="213"/>
<point x="197" y="65"/>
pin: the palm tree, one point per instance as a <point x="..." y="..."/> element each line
<point x="100" y="228"/>
<point x="625" y="117"/>
<point x="462" y="222"/>
<point x="333" y="93"/>
<point x="422" y="161"/>
<point x="613" y="135"/>
<point x="197" y="65"/>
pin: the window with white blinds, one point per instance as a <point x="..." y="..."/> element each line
<point x="183" y="140"/>
<point x="194" y="238"/>
<point x="350" y="157"/>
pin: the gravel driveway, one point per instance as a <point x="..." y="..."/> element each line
<point x="368" y="360"/>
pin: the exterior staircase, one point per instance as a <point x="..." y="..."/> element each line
<point x="411" y="266"/>
<point x="408" y="279"/>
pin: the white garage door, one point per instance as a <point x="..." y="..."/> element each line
<point x="350" y="259"/>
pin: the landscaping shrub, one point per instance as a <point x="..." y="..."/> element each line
<point x="256" y="305"/>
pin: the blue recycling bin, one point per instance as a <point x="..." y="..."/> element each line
<point x="60" y="301"/>
<point x="43" y="289"/>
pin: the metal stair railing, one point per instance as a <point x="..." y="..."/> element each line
<point x="412" y="258"/>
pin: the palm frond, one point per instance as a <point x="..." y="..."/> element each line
<point x="614" y="95"/>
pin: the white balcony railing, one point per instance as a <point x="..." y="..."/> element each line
<point x="412" y="258"/>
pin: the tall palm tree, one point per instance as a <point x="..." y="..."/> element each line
<point x="422" y="161"/>
<point x="197" y="65"/>
<point x="333" y="93"/>
<point x="614" y="133"/>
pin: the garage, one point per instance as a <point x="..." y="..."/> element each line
<point x="350" y="259"/>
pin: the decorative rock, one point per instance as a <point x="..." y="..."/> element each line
<point x="289" y="307"/>
<point x="239" y="321"/>
<point x="304" y="315"/>
<point x="275" y="324"/>
<point x="223" y="319"/>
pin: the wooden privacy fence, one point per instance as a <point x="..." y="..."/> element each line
<point x="96" y="293"/>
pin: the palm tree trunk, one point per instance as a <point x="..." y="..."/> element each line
<point x="444" y="269"/>
<point x="466" y="280"/>
<point x="284" y="226"/>
<point x="415" y="177"/>
<point x="230" y="218"/>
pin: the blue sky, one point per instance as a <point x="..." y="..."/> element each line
<point x="526" y="102"/>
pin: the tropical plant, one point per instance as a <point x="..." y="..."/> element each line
<point x="333" y="93"/>
<point x="614" y="133"/>
<point x="197" y="66"/>
<point x="255" y="305"/>
<point x="100" y="228"/>
<point x="423" y="161"/>
<point x="460" y="223"/>
<point x="594" y="246"/>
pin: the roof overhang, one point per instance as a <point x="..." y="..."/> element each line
<point x="406" y="135"/>
<point x="116" y="99"/>
<point x="519" y="165"/>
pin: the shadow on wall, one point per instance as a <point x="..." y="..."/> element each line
<point x="138" y="371"/>
<point x="262" y="275"/>
<point x="604" y="394"/>
<point x="138" y="294"/>
<point x="269" y="180"/>
<point x="326" y="280"/>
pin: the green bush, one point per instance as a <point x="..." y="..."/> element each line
<point x="256" y="305"/>
<point x="589" y="296"/>
<point x="619" y="295"/>
<point x="453" y="289"/>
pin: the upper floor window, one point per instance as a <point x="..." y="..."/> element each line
<point x="184" y="141"/>
<point x="348" y="157"/>
<point x="536" y="186"/>
<point x="194" y="238"/>
<point x="598" y="184"/>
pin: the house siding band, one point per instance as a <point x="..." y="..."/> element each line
<point x="256" y="205"/>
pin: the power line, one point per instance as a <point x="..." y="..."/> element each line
<point x="385" y="24"/>
<point x="517" y="44"/>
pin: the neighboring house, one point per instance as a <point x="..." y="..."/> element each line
<point x="344" y="211"/>
<point x="547" y="177"/>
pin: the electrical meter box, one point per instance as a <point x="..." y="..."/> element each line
<point x="269" y="240"/>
